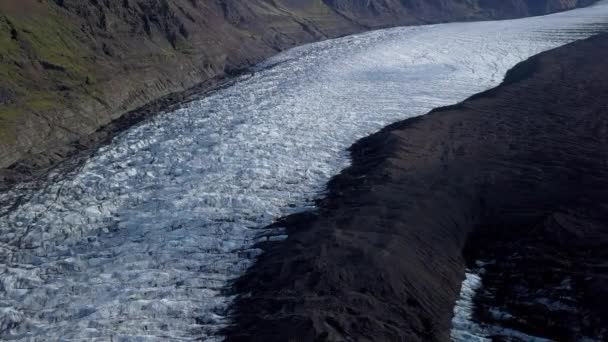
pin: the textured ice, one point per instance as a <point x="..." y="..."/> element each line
<point x="466" y="329"/>
<point x="464" y="326"/>
<point x="141" y="241"/>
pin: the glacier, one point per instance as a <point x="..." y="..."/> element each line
<point x="141" y="242"/>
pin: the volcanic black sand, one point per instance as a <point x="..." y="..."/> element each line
<point x="524" y="166"/>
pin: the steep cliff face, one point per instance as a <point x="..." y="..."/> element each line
<point x="69" y="67"/>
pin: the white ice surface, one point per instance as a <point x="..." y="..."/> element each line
<point x="464" y="326"/>
<point x="140" y="243"/>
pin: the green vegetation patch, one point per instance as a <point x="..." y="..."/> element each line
<point x="43" y="56"/>
<point x="7" y="114"/>
<point x="51" y="41"/>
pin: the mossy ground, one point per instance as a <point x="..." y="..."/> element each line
<point x="42" y="56"/>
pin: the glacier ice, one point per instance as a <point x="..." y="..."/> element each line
<point x="141" y="241"/>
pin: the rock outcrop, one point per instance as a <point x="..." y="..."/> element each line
<point x="69" y="67"/>
<point x="523" y="165"/>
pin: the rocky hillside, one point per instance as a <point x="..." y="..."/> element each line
<point x="522" y="165"/>
<point x="69" y="67"/>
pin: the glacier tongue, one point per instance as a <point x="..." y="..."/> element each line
<point x="141" y="242"/>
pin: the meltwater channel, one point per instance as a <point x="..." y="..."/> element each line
<point x="141" y="242"/>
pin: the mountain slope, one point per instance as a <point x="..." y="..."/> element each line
<point x="69" y="67"/>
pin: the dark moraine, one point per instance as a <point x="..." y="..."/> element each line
<point x="524" y="166"/>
